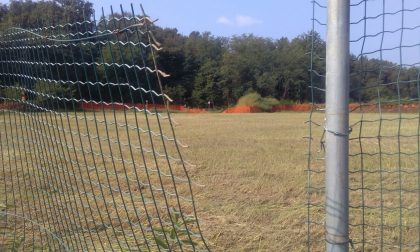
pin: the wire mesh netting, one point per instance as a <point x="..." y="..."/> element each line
<point x="89" y="157"/>
<point x="384" y="169"/>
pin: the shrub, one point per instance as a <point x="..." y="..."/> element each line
<point x="256" y="100"/>
<point x="51" y="94"/>
<point x="12" y="93"/>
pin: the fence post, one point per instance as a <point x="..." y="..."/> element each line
<point x="337" y="126"/>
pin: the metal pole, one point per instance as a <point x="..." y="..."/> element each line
<point x="337" y="126"/>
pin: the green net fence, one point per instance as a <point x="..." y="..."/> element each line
<point x="88" y="154"/>
<point x="384" y="176"/>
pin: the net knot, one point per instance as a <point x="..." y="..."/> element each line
<point x="338" y="133"/>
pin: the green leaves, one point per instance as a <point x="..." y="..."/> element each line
<point x="176" y="234"/>
<point x="29" y="14"/>
<point x="204" y="67"/>
<point x="255" y="99"/>
<point x="52" y="94"/>
<point x="161" y="243"/>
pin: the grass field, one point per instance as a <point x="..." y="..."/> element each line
<point x="253" y="168"/>
<point x="250" y="179"/>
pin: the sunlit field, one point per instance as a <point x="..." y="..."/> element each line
<point x="253" y="168"/>
<point x="250" y="180"/>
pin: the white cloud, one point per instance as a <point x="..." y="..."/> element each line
<point x="224" y="20"/>
<point x="239" y="21"/>
<point x="243" y="21"/>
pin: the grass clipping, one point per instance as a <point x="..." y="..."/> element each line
<point x="256" y="100"/>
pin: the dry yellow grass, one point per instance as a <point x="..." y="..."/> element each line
<point x="252" y="171"/>
<point x="384" y="183"/>
<point x="252" y="166"/>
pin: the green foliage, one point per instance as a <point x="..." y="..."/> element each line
<point x="177" y="235"/>
<point x="31" y="14"/>
<point x="204" y="67"/>
<point x="286" y="102"/>
<point x="12" y="93"/>
<point x="207" y="85"/>
<point x="255" y="99"/>
<point x="52" y="94"/>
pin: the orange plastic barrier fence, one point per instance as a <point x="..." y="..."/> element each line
<point x="243" y="109"/>
<point x="292" y="107"/>
<point x="408" y="107"/>
<point x="95" y="106"/>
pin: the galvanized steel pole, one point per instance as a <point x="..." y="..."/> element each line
<point x="337" y="126"/>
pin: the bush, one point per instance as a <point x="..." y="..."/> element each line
<point x="12" y="93"/>
<point x="256" y="100"/>
<point x="51" y="94"/>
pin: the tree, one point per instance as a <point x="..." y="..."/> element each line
<point x="292" y="65"/>
<point x="203" y="55"/>
<point x="201" y="66"/>
<point x="208" y="85"/>
<point x="74" y="10"/>
<point x="52" y="95"/>
<point x="244" y="62"/>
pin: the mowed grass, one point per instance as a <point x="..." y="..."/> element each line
<point x="253" y="168"/>
<point x="250" y="179"/>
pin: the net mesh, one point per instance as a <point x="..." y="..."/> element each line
<point x="384" y="177"/>
<point x="88" y="153"/>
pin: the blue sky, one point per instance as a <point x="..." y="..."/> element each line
<point x="267" y="18"/>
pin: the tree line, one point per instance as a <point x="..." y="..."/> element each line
<point x="204" y="67"/>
